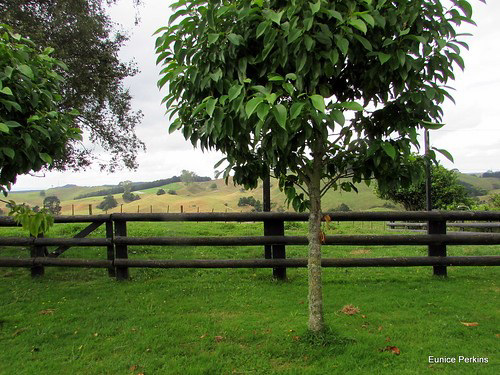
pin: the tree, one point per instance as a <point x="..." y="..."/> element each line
<point x="52" y="204"/>
<point x="332" y="91"/>
<point x="34" y="132"/>
<point x="127" y="195"/>
<point x="160" y="192"/>
<point x="107" y="203"/>
<point x="495" y="201"/>
<point x="446" y="192"/>
<point x="188" y="177"/>
<point x="85" y="39"/>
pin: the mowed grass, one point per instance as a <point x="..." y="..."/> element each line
<point x="241" y="321"/>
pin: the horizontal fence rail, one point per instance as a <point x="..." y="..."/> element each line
<point x="117" y="241"/>
<point x="255" y="263"/>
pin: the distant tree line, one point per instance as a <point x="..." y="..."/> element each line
<point x="491" y="174"/>
<point x="134" y="186"/>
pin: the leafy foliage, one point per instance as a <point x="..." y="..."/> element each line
<point x="188" y="177"/>
<point x="36" y="222"/>
<point x="107" y="203"/>
<point x="446" y="192"/>
<point x="172" y="192"/>
<point x="250" y="201"/>
<point x="34" y="131"/>
<point x="85" y="39"/>
<point x="495" y="201"/>
<point x="161" y="192"/>
<point x="52" y="204"/>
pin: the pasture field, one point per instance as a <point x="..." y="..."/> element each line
<point x="241" y="321"/>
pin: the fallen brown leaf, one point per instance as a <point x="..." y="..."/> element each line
<point x="47" y="312"/>
<point x="380" y="328"/>
<point x="349" y="310"/>
<point x="203" y="336"/>
<point x="363" y="316"/>
<point x="497" y="335"/>
<point x="133" y="368"/>
<point x="295" y="338"/>
<point x="218" y="338"/>
<point x="322" y="237"/>
<point x="392" y="349"/>
<point x="472" y="324"/>
<point x="387" y="339"/>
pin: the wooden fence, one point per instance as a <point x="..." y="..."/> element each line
<point x="274" y="242"/>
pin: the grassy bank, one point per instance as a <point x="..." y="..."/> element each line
<point x="187" y="321"/>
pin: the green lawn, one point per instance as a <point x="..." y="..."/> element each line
<point x="225" y="321"/>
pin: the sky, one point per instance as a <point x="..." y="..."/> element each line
<point x="471" y="134"/>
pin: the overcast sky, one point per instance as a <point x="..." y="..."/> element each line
<point x="471" y="134"/>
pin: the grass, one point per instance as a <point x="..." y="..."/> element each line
<point x="240" y="321"/>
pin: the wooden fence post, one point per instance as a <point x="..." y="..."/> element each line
<point x="121" y="208"/>
<point x="168" y="209"/>
<point x="151" y="209"/>
<point x="110" y="248"/>
<point x="73" y="209"/>
<point x="276" y="228"/>
<point x="437" y="227"/>
<point x="182" y="208"/>
<point x="138" y="208"/>
<point x="38" y="251"/>
<point x="90" y="209"/>
<point x="121" y="251"/>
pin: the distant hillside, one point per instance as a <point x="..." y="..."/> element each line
<point x="215" y="195"/>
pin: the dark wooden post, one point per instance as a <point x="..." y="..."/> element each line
<point x="276" y="228"/>
<point x="90" y="209"/>
<point x="182" y="208"/>
<point x="168" y="209"/>
<point x="121" y="251"/>
<point x="110" y="248"/>
<point x="266" y="205"/>
<point x="437" y="227"/>
<point x="121" y="208"/>
<point x="138" y="208"/>
<point x="151" y="209"/>
<point x="73" y="209"/>
<point x="38" y="251"/>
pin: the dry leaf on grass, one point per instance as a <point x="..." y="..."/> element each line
<point x="203" y="336"/>
<point x="47" y="312"/>
<point x="392" y="349"/>
<point x="296" y="338"/>
<point x="349" y="310"/>
<point x="133" y="367"/>
<point x="218" y="338"/>
<point x="472" y="324"/>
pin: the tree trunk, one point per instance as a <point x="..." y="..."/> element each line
<point x="316" y="323"/>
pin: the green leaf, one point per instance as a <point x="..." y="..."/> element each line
<point x="234" y="92"/>
<point x="315" y="7"/>
<point x="262" y="28"/>
<point x="6" y="91"/>
<point x="338" y="117"/>
<point x="45" y="157"/>
<point x="383" y="57"/>
<point x="263" y="111"/>
<point x="295" y="110"/>
<point x="8" y="151"/>
<point x="235" y="39"/>
<point x="252" y="105"/>
<point x="358" y="24"/>
<point x="364" y="42"/>
<point x="368" y="19"/>
<point x="288" y="88"/>
<point x="291" y="76"/>
<point x="174" y="126"/>
<point x="308" y="41"/>
<point x="389" y="150"/>
<point x="12" y="124"/>
<point x="26" y="70"/>
<point x="318" y="102"/>
<point x="273" y="16"/>
<point x="4" y="128"/>
<point x="27" y="139"/>
<point x="432" y="125"/>
<point x="301" y="62"/>
<point x="343" y="45"/>
<point x="212" y="38"/>
<point x="280" y="113"/>
<point x="211" y="102"/>
<point x="445" y="153"/>
<point x="275" y="77"/>
<point x="352" y="106"/>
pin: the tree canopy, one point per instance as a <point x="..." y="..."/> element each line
<point x="34" y="130"/>
<point x="85" y="39"/>
<point x="332" y="91"/>
<point x="446" y="192"/>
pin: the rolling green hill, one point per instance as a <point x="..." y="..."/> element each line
<point x="203" y="197"/>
